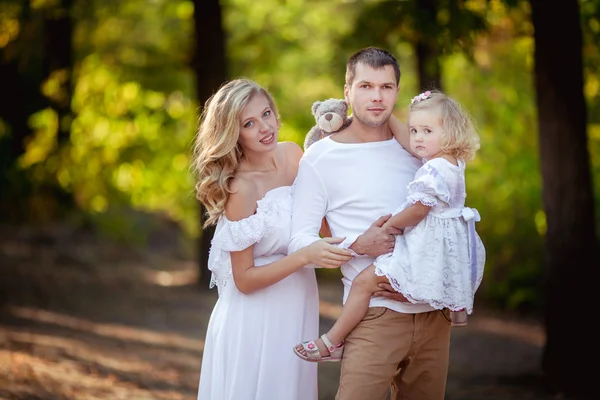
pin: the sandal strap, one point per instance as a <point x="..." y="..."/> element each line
<point x="312" y="351"/>
<point x="330" y="347"/>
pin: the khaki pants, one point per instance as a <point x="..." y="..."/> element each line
<point x="410" y="352"/>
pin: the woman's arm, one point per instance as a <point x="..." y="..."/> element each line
<point x="409" y="216"/>
<point x="249" y="278"/>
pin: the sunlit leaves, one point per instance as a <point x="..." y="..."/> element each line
<point x="540" y="222"/>
<point x="185" y="10"/>
<point x="9" y="23"/>
<point x="41" y="4"/>
<point x="134" y="106"/>
<point x="590" y="26"/>
<point x="52" y="88"/>
<point x="446" y="25"/>
<point x="43" y="142"/>
<point x="289" y="48"/>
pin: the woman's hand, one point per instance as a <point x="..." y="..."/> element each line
<point x="326" y="254"/>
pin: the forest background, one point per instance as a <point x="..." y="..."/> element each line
<point x="101" y="102"/>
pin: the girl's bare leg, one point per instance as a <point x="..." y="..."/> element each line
<point x="356" y="307"/>
<point x="357" y="304"/>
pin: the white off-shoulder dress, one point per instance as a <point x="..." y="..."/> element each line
<point x="247" y="352"/>
<point x="440" y="260"/>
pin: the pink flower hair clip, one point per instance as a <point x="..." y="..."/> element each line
<point x="421" y="97"/>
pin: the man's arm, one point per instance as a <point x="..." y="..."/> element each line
<point x="309" y="207"/>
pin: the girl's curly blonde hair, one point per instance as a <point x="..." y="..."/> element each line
<point x="460" y="139"/>
<point x="216" y="152"/>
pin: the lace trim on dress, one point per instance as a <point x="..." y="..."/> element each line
<point x="272" y="210"/>
<point x="425" y="199"/>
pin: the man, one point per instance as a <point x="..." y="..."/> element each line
<point x="353" y="178"/>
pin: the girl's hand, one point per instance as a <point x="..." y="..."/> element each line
<point x="326" y="254"/>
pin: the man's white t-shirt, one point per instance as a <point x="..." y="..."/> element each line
<point x="352" y="185"/>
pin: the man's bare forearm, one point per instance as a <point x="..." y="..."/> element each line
<point x="376" y="240"/>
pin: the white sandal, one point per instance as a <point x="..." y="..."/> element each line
<point x="314" y="355"/>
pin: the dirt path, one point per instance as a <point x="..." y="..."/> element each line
<point x="106" y="324"/>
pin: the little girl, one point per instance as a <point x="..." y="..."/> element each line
<point x="439" y="259"/>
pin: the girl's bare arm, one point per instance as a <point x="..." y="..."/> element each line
<point x="410" y="216"/>
<point x="400" y="131"/>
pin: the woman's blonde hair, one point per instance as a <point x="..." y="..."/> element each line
<point x="216" y="152"/>
<point x="460" y="139"/>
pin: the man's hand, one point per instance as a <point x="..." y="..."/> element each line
<point x="376" y="240"/>
<point x="388" y="292"/>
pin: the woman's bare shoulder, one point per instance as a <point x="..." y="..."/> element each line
<point x="291" y="155"/>
<point x="291" y="150"/>
<point x="242" y="199"/>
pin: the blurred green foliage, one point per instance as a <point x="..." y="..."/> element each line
<point x="135" y="111"/>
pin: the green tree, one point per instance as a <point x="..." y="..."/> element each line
<point x="36" y="65"/>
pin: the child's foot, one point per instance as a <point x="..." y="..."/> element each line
<point x="319" y="350"/>
<point x="320" y="345"/>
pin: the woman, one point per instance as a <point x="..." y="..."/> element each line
<point x="267" y="299"/>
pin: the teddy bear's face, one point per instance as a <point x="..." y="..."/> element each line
<point x="330" y="122"/>
<point x="330" y="114"/>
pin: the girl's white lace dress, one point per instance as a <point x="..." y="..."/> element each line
<point x="440" y="260"/>
<point x="247" y="351"/>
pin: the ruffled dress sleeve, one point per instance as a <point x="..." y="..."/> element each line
<point x="429" y="186"/>
<point x="237" y="236"/>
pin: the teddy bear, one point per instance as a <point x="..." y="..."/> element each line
<point x="331" y="116"/>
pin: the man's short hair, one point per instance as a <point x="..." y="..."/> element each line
<point x="373" y="57"/>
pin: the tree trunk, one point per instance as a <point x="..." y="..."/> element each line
<point x="428" y="66"/>
<point x="22" y="74"/>
<point x="426" y="47"/>
<point x="571" y="254"/>
<point x="210" y="66"/>
<point x="20" y="79"/>
<point x="21" y="86"/>
<point x="58" y="41"/>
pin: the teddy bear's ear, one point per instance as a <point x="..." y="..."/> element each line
<point x="346" y="106"/>
<point x="315" y="106"/>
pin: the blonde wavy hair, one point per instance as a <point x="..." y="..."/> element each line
<point x="216" y="152"/>
<point x="460" y="138"/>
